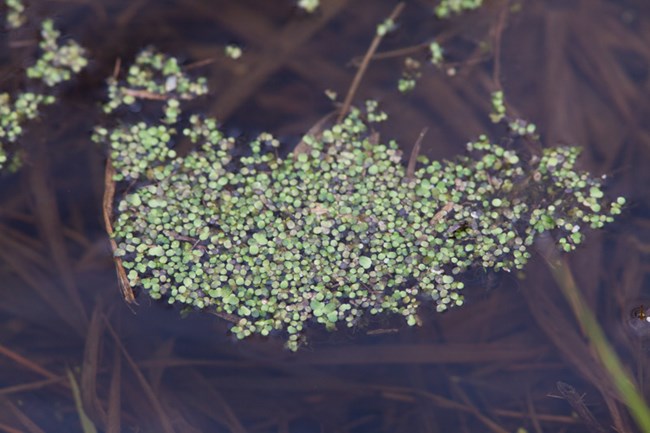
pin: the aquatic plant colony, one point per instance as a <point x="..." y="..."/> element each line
<point x="56" y="64"/>
<point x="335" y="230"/>
<point x="338" y="229"/>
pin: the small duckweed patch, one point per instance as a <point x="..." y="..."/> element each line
<point x="447" y="8"/>
<point x="56" y="64"/>
<point x="309" y="5"/>
<point x="15" y="17"/>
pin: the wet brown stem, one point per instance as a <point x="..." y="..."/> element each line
<point x="364" y="65"/>
<point x="107" y="205"/>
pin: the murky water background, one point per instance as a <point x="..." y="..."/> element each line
<point x="579" y="69"/>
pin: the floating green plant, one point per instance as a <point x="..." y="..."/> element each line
<point x="337" y="230"/>
<point x="233" y="51"/>
<point x="309" y="5"/>
<point x="13" y="115"/>
<point x="15" y="13"/>
<point x="385" y="27"/>
<point x="154" y="76"/>
<point x="437" y="53"/>
<point x="57" y="62"/>
<point x="411" y="72"/>
<point x="137" y="147"/>
<point x="447" y="8"/>
<point x="516" y="126"/>
<point x="55" y="65"/>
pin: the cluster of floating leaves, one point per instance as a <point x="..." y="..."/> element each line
<point x="55" y="65"/>
<point x="411" y="72"/>
<point x="15" y="10"/>
<point x="153" y="76"/>
<point x="13" y="115"/>
<point x="412" y="68"/>
<point x="446" y="8"/>
<point x="336" y="231"/>
<point x="437" y="53"/>
<point x="516" y="126"/>
<point x="309" y="5"/>
<point x="57" y="62"/>
<point x="233" y="51"/>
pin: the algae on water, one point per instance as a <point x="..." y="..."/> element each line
<point x="333" y="232"/>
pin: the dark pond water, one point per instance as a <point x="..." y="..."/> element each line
<point x="578" y="69"/>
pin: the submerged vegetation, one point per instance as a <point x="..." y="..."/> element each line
<point x="337" y="229"/>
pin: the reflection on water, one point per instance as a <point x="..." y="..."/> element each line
<point x="638" y="321"/>
<point x="489" y="366"/>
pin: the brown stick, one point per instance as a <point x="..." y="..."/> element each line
<point x="410" y="169"/>
<point x="498" y="32"/>
<point x="364" y="65"/>
<point x="28" y="364"/>
<point x="399" y="52"/>
<point x="107" y="205"/>
<point x="578" y="405"/>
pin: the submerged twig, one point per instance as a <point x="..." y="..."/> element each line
<point x="28" y="364"/>
<point x="165" y="423"/>
<point x="399" y="52"/>
<point x="498" y="32"/>
<point x="578" y="405"/>
<point x="90" y="366"/>
<point x="364" y="65"/>
<point x="50" y="224"/>
<point x="113" y="416"/>
<point x="29" y="425"/>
